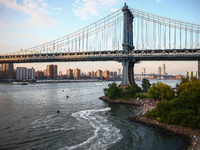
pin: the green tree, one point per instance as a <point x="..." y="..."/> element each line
<point x="129" y="92"/>
<point x="183" y="111"/>
<point x="145" y="84"/>
<point x="113" y="91"/>
<point x="161" y="91"/>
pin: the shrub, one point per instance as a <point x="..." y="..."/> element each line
<point x="113" y="92"/>
<point x="161" y="91"/>
<point x="141" y="96"/>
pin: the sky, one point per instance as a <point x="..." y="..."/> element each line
<point x="27" y="23"/>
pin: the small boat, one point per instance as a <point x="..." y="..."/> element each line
<point x="23" y="83"/>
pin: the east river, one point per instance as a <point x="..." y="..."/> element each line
<point x="29" y="119"/>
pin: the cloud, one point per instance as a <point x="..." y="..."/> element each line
<point x="37" y="10"/>
<point x="25" y="36"/>
<point x="114" y="9"/>
<point x="86" y="8"/>
<point x="158" y="1"/>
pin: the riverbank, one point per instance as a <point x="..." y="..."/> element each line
<point x="119" y="101"/>
<point x="191" y="137"/>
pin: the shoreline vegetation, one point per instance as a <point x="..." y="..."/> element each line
<point x="173" y="113"/>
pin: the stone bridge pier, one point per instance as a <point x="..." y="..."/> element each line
<point x="127" y="72"/>
<point x="128" y="64"/>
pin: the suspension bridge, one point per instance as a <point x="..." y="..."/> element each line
<point x="127" y="35"/>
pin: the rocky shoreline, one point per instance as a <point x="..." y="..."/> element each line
<point x="191" y="137"/>
<point x="118" y="101"/>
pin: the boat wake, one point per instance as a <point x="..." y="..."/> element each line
<point x="104" y="134"/>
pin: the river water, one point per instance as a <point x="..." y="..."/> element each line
<point x="29" y="119"/>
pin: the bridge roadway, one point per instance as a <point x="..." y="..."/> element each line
<point x="135" y="55"/>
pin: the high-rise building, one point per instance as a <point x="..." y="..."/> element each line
<point x="186" y="75"/>
<point x="39" y="74"/>
<point x="69" y="73"/>
<point x="77" y="73"/>
<point x="190" y="74"/>
<point x="89" y="74"/>
<point x="143" y="72"/>
<point x="198" y="69"/>
<point x="25" y="73"/>
<point x="159" y="70"/>
<point x="106" y="74"/>
<point x="163" y="69"/>
<point x="7" y="71"/>
<point x="115" y="74"/>
<point x="51" y="71"/>
<point x="119" y="72"/>
<point x="111" y="73"/>
<point x="99" y="73"/>
<point x="195" y="74"/>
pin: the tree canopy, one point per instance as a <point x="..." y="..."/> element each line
<point x="161" y="91"/>
<point x="183" y="111"/>
<point x="145" y="84"/>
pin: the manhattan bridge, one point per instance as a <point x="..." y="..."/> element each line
<point x="127" y="35"/>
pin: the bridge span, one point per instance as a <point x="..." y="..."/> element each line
<point x="128" y="36"/>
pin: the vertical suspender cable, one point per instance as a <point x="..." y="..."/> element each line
<point x="175" y="36"/>
<point x="164" y="37"/>
<point x="142" y="32"/>
<point x="138" y="37"/>
<point x="169" y="35"/>
<point x="154" y="32"/>
<point x="146" y="34"/>
<point x="186" y="36"/>
<point x="191" y="39"/>
<point x="197" y="38"/>
<point x="180" y="35"/>
<point x="159" y="34"/>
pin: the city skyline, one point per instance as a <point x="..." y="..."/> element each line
<point x="35" y="22"/>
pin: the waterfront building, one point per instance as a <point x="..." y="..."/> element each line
<point x="115" y="74"/>
<point x="77" y="73"/>
<point x="198" y="74"/>
<point x="178" y="77"/>
<point x="143" y="72"/>
<point x="159" y="73"/>
<point x="195" y="74"/>
<point x="99" y="73"/>
<point x="51" y="71"/>
<point x="7" y="71"/>
<point x="112" y="73"/>
<point x="190" y="74"/>
<point x="186" y="74"/>
<point x="106" y="74"/>
<point x="69" y="73"/>
<point x="89" y="74"/>
<point x="39" y="74"/>
<point x="163" y="69"/>
<point x="159" y="70"/>
<point x="119" y="72"/>
<point x="25" y="73"/>
<point x="152" y="76"/>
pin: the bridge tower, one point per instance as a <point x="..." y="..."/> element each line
<point x="128" y="64"/>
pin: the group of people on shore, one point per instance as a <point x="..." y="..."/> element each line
<point x="146" y="104"/>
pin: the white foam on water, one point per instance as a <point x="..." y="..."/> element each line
<point x="105" y="134"/>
